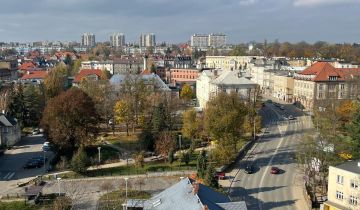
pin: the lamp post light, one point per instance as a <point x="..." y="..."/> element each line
<point x="180" y="142"/>
<point x="99" y="148"/>
<point x="126" y="187"/>
<point x="44" y="161"/>
<point x="58" y="180"/>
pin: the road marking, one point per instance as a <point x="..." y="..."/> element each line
<point x="5" y="177"/>
<point x="12" y="174"/>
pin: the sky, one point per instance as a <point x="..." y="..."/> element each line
<point x="174" y="21"/>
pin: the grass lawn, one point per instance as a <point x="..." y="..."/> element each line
<point x="130" y="143"/>
<point x="15" y="205"/>
<point x="114" y="200"/>
<point x="108" y="154"/>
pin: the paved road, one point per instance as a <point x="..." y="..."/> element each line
<point x="276" y="147"/>
<point x="12" y="162"/>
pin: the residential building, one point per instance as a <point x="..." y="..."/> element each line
<point x="88" y="40"/>
<point x="199" y="41"/>
<point x="103" y="65"/>
<point x="211" y="82"/>
<point x="10" y="130"/>
<point x="177" y="76"/>
<point x="147" y="40"/>
<point x="8" y="70"/>
<point x="117" y="40"/>
<point x="211" y="40"/>
<point x="217" y="40"/>
<point x="323" y="82"/>
<point x="87" y="74"/>
<point x="183" y="62"/>
<point x="229" y="62"/>
<point x="34" y="77"/>
<point x="128" y="65"/>
<point x="344" y="187"/>
<point x="186" y="194"/>
<point x="283" y="86"/>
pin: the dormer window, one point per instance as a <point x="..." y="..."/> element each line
<point x="333" y="78"/>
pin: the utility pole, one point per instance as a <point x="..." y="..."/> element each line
<point x="254" y="115"/>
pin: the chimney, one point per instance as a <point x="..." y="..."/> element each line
<point x="205" y="207"/>
<point x="145" y="62"/>
<point x="28" y="72"/>
<point x="196" y="187"/>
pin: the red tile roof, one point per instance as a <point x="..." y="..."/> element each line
<point x="27" y="65"/>
<point x="85" y="72"/>
<point x="324" y="70"/>
<point x="34" y="75"/>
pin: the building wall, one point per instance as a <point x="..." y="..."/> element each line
<point x="283" y="87"/>
<point x="344" y="187"/>
<point x="228" y="62"/>
<point x="304" y="92"/>
<point x="183" y="75"/>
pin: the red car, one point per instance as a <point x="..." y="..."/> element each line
<point x="220" y="175"/>
<point x="274" y="170"/>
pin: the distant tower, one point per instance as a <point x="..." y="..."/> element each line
<point x="147" y="40"/>
<point x="117" y="40"/>
<point x="88" y="40"/>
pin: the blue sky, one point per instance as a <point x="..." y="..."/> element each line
<point x="175" y="20"/>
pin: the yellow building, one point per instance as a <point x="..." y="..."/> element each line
<point x="229" y="62"/>
<point x="283" y="87"/>
<point x="343" y="187"/>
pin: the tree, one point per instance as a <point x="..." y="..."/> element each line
<point x="147" y="140"/>
<point x="153" y="68"/>
<point x="353" y="130"/>
<point x="75" y="67"/>
<point x="34" y="101"/>
<point x="191" y="124"/>
<point x="80" y="161"/>
<point x="201" y="164"/>
<point x="171" y="157"/>
<point x="139" y="159"/>
<point x="165" y="143"/>
<point x="159" y="118"/>
<point x="224" y="118"/>
<point x="123" y="114"/>
<point x="17" y="107"/>
<point x="186" y="92"/>
<point x="185" y="157"/>
<point x="70" y="119"/>
<point x="55" y="81"/>
<point x="210" y="178"/>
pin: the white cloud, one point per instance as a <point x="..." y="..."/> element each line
<point x="247" y="2"/>
<point x="311" y="3"/>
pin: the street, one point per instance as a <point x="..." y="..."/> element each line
<point x="275" y="148"/>
<point x="13" y="161"/>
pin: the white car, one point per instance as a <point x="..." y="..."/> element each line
<point x="291" y="117"/>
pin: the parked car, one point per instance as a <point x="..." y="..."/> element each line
<point x="269" y="101"/>
<point x="35" y="131"/>
<point x="34" y="164"/>
<point x="274" y="170"/>
<point x="291" y="117"/>
<point x="249" y="169"/>
<point x="111" y="121"/>
<point x="220" y="175"/>
<point x="282" y="107"/>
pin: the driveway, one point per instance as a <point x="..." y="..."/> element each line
<point x="12" y="162"/>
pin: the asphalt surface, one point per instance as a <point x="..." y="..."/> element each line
<point x="275" y="148"/>
<point x="13" y="161"/>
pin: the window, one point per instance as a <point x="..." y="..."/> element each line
<point x="354" y="184"/>
<point x="332" y="87"/>
<point x="342" y="86"/>
<point x="340" y="179"/>
<point x="333" y="78"/>
<point x="320" y="95"/>
<point x="339" y="195"/>
<point x="321" y="86"/>
<point x="353" y="200"/>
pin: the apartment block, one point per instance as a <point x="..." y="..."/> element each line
<point x="117" y="40"/>
<point x="343" y="187"/>
<point x="88" y="40"/>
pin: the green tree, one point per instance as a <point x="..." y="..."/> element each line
<point x="17" y="106"/>
<point x="159" y="118"/>
<point x="147" y="140"/>
<point x="80" y="161"/>
<point x="353" y="130"/>
<point x="171" y="157"/>
<point x="191" y="124"/>
<point x="185" y="157"/>
<point x="70" y="120"/>
<point x="139" y="159"/>
<point x="187" y="92"/>
<point x="34" y="100"/>
<point x="201" y="164"/>
<point x="210" y="178"/>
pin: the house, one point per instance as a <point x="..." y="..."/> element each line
<point x="186" y="194"/>
<point x="344" y="186"/>
<point x="174" y="76"/>
<point x="103" y="65"/>
<point x="322" y="81"/>
<point x="8" y="70"/>
<point x="128" y="65"/>
<point x="10" y="130"/>
<point x="183" y="62"/>
<point x="211" y="82"/>
<point x="34" y="77"/>
<point x="88" y="74"/>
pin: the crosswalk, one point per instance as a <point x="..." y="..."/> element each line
<point x="7" y="175"/>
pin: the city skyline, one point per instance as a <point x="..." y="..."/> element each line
<point x="172" y="21"/>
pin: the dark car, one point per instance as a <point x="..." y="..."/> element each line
<point x="282" y="107"/>
<point x="250" y="169"/>
<point x="274" y="170"/>
<point x="34" y="164"/>
<point x="39" y="158"/>
<point x="269" y="101"/>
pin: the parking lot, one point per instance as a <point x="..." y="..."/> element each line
<point x="13" y="161"/>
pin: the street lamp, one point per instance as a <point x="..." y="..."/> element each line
<point x="58" y="180"/>
<point x="126" y="187"/>
<point x="44" y="160"/>
<point x="180" y="141"/>
<point x="99" y="148"/>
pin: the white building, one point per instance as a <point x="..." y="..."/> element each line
<point x="117" y="40"/>
<point x="217" y="40"/>
<point x="88" y="40"/>
<point x="205" y="41"/>
<point x="147" y="40"/>
<point x="103" y="65"/>
<point x="198" y="40"/>
<point x="211" y="82"/>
